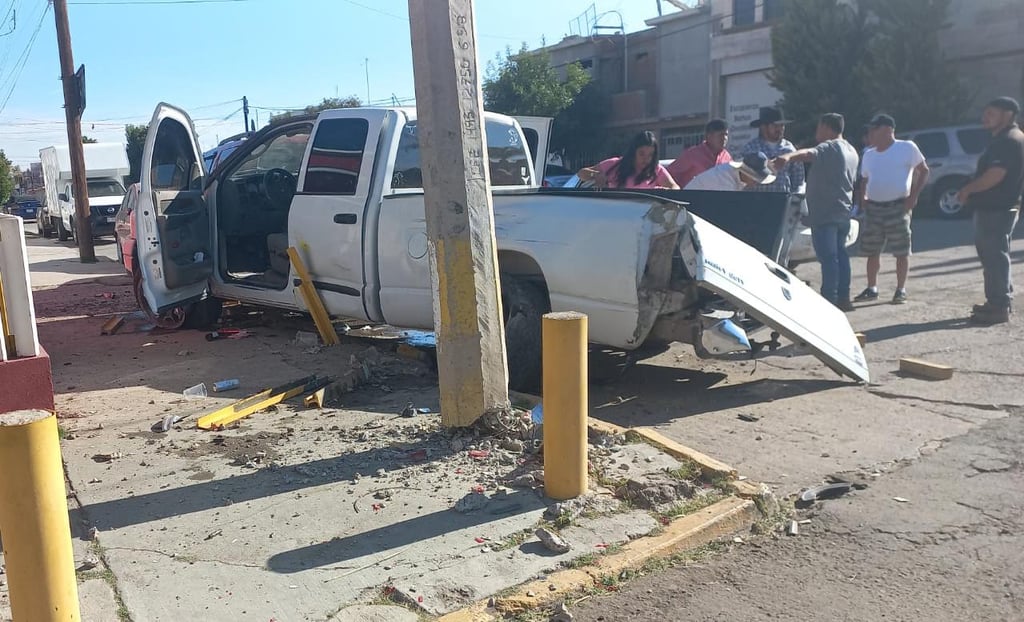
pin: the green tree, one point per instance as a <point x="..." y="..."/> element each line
<point x="818" y="51"/>
<point x="135" y="140"/>
<point x="905" y="68"/>
<point x="327" y="103"/>
<point x="6" y="179"/>
<point x="88" y="141"/>
<point x="577" y="130"/>
<point x="859" y="57"/>
<point x="525" y="83"/>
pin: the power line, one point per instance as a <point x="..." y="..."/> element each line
<point x="19" y="65"/>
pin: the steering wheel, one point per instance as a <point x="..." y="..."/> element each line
<point x="279" y="186"/>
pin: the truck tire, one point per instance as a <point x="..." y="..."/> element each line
<point x="524" y="304"/>
<point x="204" y="314"/>
<point x="42" y="229"/>
<point x="168" y="320"/>
<point x="62" y="234"/>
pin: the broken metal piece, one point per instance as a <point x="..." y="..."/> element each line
<point x="264" y="399"/>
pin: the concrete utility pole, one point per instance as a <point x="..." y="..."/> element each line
<point x="460" y="221"/>
<point x="73" y="114"/>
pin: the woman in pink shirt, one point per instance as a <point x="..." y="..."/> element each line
<point x="637" y="169"/>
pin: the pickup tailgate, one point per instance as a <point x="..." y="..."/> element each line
<point x="733" y="270"/>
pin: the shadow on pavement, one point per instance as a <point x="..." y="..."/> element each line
<point x="402" y="534"/>
<point x="902" y="330"/>
<point x="212" y="494"/>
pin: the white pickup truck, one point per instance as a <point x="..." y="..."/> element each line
<point x="345" y="188"/>
<point x="106" y="166"/>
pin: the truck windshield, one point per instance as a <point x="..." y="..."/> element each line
<point x="105" y="188"/>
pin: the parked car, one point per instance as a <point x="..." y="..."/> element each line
<point x="26" y="208"/>
<point x="213" y="157"/>
<point x="345" y="188"/>
<point x="952" y="155"/>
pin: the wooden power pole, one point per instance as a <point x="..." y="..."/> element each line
<point x="73" y="106"/>
<point x="460" y="220"/>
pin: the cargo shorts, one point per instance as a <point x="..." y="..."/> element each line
<point x="885" y="226"/>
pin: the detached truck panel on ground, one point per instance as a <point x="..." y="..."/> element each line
<point x="106" y="166"/>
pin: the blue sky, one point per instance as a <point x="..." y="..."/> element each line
<point x="204" y="56"/>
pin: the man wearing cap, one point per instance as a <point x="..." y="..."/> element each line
<point x="771" y="127"/>
<point x="995" y="196"/>
<point x="700" y="158"/>
<point x="893" y="172"/>
<point x="829" y="199"/>
<point x="749" y="172"/>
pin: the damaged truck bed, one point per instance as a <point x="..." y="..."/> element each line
<point x="345" y="187"/>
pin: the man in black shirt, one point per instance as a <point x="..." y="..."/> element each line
<point x="995" y="196"/>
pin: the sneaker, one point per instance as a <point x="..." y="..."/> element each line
<point x="991" y="316"/>
<point x="900" y="297"/>
<point x="867" y="294"/>
<point x="845" y="305"/>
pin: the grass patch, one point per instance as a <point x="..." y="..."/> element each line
<point x="581" y="561"/>
<point x="689" y="507"/>
<point x="687" y="471"/>
<point x="513" y="541"/>
<point x="633" y="437"/>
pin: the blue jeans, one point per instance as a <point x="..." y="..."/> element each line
<point x="830" y="246"/>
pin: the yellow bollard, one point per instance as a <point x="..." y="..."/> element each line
<point x="34" y="520"/>
<point x="565" y="404"/>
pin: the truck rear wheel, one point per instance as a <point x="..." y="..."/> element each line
<point x="42" y="229"/>
<point x="62" y="234"/>
<point x="523" y="304"/>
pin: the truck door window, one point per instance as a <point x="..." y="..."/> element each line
<point x="336" y="157"/>
<point x="508" y="157"/>
<point x="174" y="165"/>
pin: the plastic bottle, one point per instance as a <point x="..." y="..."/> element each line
<point x="225" y="385"/>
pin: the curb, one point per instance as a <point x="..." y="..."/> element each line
<point x="690" y="531"/>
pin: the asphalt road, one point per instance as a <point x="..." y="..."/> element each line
<point x="949" y="548"/>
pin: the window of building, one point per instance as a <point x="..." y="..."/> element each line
<point x="336" y="157"/>
<point x="508" y="157"/>
<point x="772" y="9"/>
<point x="933" y="144"/>
<point x="743" y="12"/>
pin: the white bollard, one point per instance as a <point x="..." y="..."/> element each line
<point x="18" y="336"/>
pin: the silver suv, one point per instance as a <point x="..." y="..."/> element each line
<point x="952" y="155"/>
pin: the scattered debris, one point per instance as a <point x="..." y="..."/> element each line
<point x="214" y="534"/>
<point x="471" y="503"/>
<point x="185" y="352"/>
<point x="561" y="613"/>
<point x="305" y="339"/>
<point x="900" y="500"/>
<point x="552" y="541"/>
<point x="794" y="528"/>
<point x="652" y="490"/>
<point x="108" y="457"/>
<point x="112" y="325"/>
<point x="315" y="399"/>
<point x="408" y="412"/>
<point x="857" y="482"/>
<point x="90" y="561"/>
<point x="826" y="491"/>
<point x="166" y="423"/>
<point x="196" y="392"/>
<point x="479" y="454"/>
<point x="226" y="385"/>
<point x="924" y="369"/>
<point x="748" y="418"/>
<point x="227" y="333"/>
<point x="94" y="534"/>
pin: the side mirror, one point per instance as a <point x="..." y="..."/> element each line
<point x="63" y="197"/>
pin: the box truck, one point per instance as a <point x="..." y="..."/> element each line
<point x="106" y="166"/>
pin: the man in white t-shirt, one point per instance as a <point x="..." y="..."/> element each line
<point x="752" y="170"/>
<point x="893" y="172"/>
